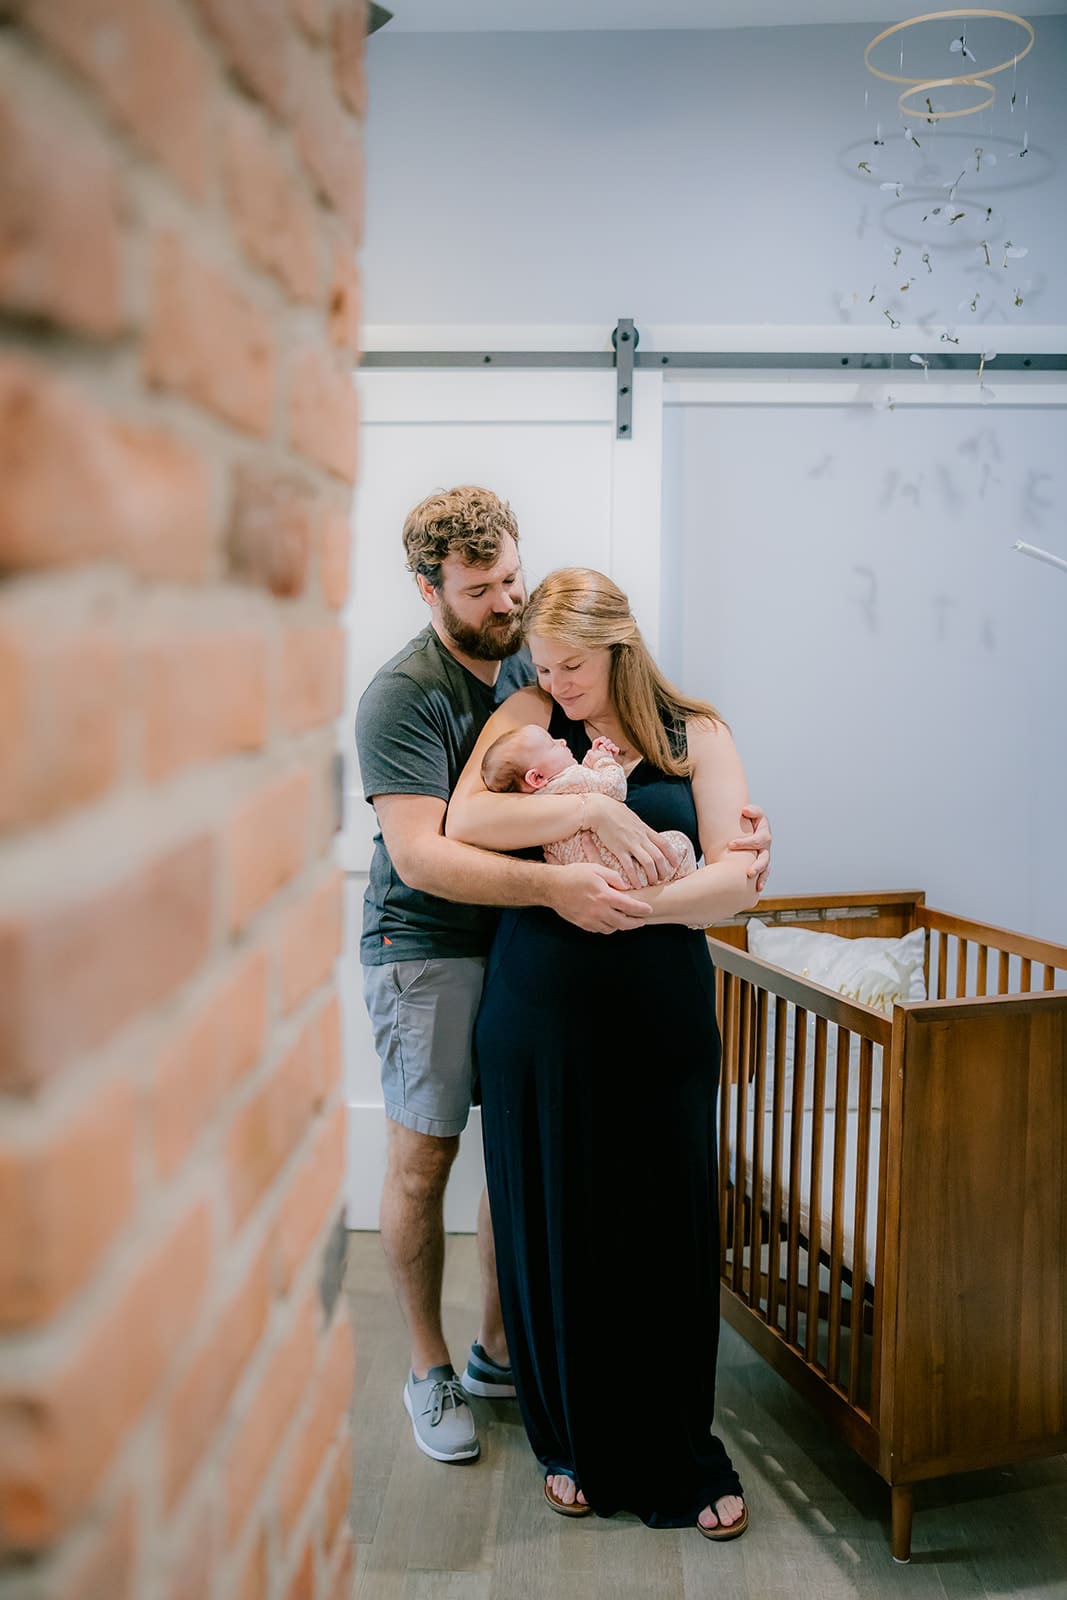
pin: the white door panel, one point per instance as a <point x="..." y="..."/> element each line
<point x="545" y="442"/>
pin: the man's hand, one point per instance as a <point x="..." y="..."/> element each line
<point x="636" y="846"/>
<point x="595" y="898"/>
<point x="759" y="842"/>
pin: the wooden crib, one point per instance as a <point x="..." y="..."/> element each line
<point x="901" y="1257"/>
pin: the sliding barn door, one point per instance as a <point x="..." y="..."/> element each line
<point x="545" y="441"/>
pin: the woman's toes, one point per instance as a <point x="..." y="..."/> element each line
<point x="563" y="1488"/>
<point x="729" y="1509"/>
<point x="582" y="1501"/>
<point x="707" y="1518"/>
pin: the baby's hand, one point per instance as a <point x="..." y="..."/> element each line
<point x="605" y="747"/>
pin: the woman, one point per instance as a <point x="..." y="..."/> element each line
<point x="599" y="1065"/>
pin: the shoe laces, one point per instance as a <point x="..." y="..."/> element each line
<point x="444" y="1392"/>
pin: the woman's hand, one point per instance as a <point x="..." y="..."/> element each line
<point x="636" y="846"/>
<point x="758" y="841"/>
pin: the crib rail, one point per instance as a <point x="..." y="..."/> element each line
<point x="799" y="1106"/>
<point x="968" y="960"/>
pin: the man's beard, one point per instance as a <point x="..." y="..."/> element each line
<point x="493" y="641"/>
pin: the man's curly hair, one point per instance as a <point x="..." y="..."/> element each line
<point x="469" y="522"/>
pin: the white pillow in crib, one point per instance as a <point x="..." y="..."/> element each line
<point x="875" y="971"/>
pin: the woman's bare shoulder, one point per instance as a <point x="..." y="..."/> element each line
<point x="708" y="733"/>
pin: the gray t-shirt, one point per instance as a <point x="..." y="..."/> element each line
<point x="418" y="721"/>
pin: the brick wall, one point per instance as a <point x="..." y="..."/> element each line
<point x="180" y="198"/>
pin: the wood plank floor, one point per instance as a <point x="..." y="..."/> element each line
<point x="820" y="1518"/>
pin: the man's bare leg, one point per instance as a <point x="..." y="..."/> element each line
<point x="491" y="1337"/>
<point x="413" y="1235"/>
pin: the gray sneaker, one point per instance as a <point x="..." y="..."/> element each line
<point x="483" y="1376"/>
<point x="441" y="1419"/>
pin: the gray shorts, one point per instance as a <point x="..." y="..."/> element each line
<point x="422" y="1013"/>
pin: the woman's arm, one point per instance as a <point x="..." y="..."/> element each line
<point x="721" y="887"/>
<point x="514" y="821"/>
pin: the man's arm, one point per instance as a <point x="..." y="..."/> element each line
<point x="591" y="896"/>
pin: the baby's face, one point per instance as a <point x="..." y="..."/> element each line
<point x="541" y="753"/>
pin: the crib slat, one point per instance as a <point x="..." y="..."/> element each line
<point x="1026" y="968"/>
<point x="961" y="968"/>
<point x="796" y="1132"/>
<point x="983" y="968"/>
<point x="774" y="1227"/>
<point x="942" y="965"/>
<point x="744" y="1066"/>
<point x="729" y="1057"/>
<point x="758" y="1099"/>
<point x="1048" y="980"/>
<point x="1002" y="972"/>
<point x="815" y="1192"/>
<point x="833" y="1350"/>
<point x="859" y="1220"/>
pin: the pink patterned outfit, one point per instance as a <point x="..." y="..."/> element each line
<point x="600" y="773"/>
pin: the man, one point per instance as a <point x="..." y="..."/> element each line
<point x="428" y="924"/>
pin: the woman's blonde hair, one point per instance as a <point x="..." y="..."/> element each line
<point x="578" y="606"/>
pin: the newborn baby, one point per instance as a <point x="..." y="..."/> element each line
<point x="529" y="761"/>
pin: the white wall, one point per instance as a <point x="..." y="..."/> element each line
<point x="893" y="671"/>
<point x="701" y="178"/>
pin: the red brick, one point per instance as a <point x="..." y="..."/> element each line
<point x="312" y="15"/>
<point x="270" y="1409"/>
<point x="107" y="956"/>
<point x="331" y="1396"/>
<point x="253" y="1583"/>
<point x="324" y="412"/>
<point x="61" y="706"/>
<point x="267" y="843"/>
<point x="80" y="485"/>
<point x="203" y="696"/>
<point x="301" y="1585"/>
<point x="349" y="41"/>
<point x="150" y="68"/>
<point x="313" y="1195"/>
<point x="311" y="689"/>
<point x="254" y="35"/>
<point x="198" y="1406"/>
<point x="65" y="1197"/>
<point x="345" y="300"/>
<point x="330" y="147"/>
<point x="209" y="340"/>
<point x="206" y="1059"/>
<point x="275" y="219"/>
<point x="270" y="1126"/>
<point x="311" y="942"/>
<point x="334" y="554"/>
<point x="58" y="1440"/>
<point x="194" y="1561"/>
<point x="272" y="530"/>
<point x="106" y="1570"/>
<point x="60" y="233"/>
<point x="336" y="1509"/>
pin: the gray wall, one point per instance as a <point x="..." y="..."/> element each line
<point x="678" y="177"/>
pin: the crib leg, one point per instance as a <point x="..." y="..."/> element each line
<point x="902" y="1507"/>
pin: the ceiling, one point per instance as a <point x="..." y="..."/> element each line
<point x="502" y="16"/>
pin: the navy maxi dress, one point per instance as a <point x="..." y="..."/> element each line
<point x="599" y="1064"/>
